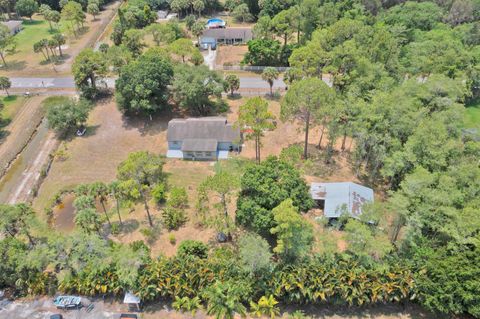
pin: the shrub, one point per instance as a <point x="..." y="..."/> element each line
<point x="149" y="234"/>
<point x="178" y="197"/>
<point x="186" y="304"/>
<point x="193" y="248"/>
<point x="173" y="217"/>
<point x="172" y="239"/>
<point x="266" y="306"/>
<point x="158" y="193"/>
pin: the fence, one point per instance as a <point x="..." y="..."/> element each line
<point x="253" y="68"/>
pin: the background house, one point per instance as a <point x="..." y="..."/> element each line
<point x="337" y="198"/>
<point x="207" y="138"/>
<point x="226" y="36"/>
<point x="13" y="25"/>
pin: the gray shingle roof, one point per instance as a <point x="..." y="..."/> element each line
<point x="215" y="128"/>
<point x="341" y="196"/>
<point x="229" y="33"/>
<point x="199" y="145"/>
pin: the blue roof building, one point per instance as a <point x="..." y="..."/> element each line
<point x="338" y="198"/>
<point x="216" y="23"/>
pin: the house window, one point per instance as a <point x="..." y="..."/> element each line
<point x="198" y="154"/>
<point x="208" y="154"/>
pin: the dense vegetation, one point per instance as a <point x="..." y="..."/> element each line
<point x="400" y="75"/>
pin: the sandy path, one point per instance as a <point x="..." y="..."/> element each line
<point x="31" y="175"/>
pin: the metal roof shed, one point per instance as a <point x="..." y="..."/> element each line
<point x="133" y="301"/>
<point x="340" y="197"/>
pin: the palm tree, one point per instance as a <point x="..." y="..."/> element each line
<point x="270" y="74"/>
<point x="84" y="202"/>
<point x="101" y="191"/>
<point x="88" y="220"/>
<point x="224" y="301"/>
<point x="116" y="192"/>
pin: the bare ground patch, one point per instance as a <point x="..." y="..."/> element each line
<point x="230" y="54"/>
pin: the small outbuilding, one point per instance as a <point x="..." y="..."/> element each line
<point x="206" y="138"/>
<point x="133" y="301"/>
<point x="339" y="198"/>
<point x="162" y="14"/>
<point x="13" y="25"/>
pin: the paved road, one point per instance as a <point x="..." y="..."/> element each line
<point x="68" y="83"/>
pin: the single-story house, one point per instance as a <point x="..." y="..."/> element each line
<point x="228" y="35"/>
<point x="13" y="25"/>
<point x="206" y="138"/>
<point x="339" y="198"/>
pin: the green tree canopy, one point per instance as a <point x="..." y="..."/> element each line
<point x="255" y="117"/>
<point x="305" y="100"/>
<point x="231" y="83"/>
<point x="5" y="84"/>
<point x="88" y="68"/>
<point x="7" y="42"/>
<point x="270" y="74"/>
<point x="26" y="8"/>
<point x="294" y="234"/>
<point x="254" y="253"/>
<point x="194" y="87"/>
<point x="68" y="115"/>
<point x="264" y="187"/>
<point x="143" y="84"/>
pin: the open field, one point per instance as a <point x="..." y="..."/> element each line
<point x="111" y="136"/>
<point x="24" y="62"/>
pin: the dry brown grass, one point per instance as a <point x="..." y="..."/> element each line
<point x="111" y="137"/>
<point x="94" y="157"/>
<point x="230" y="54"/>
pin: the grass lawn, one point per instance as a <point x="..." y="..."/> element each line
<point x="472" y="115"/>
<point x="12" y="105"/>
<point x="32" y="32"/>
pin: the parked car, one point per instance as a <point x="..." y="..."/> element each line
<point x="56" y="316"/>
<point x="128" y="316"/>
<point x="68" y="302"/>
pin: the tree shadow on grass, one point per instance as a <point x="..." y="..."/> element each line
<point x="158" y="122"/>
<point x="129" y="226"/>
<point x="14" y="65"/>
<point x="32" y="22"/>
<point x="3" y="135"/>
<point x="234" y="97"/>
<point x="81" y="31"/>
